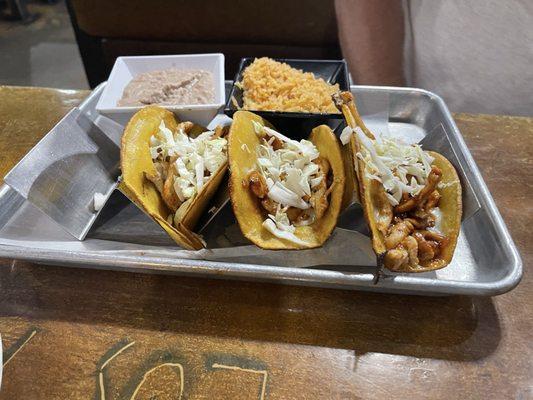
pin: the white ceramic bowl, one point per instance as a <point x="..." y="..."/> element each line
<point x="126" y="68"/>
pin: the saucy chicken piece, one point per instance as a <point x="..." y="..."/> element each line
<point x="433" y="235"/>
<point x="270" y="205"/>
<point x="424" y="217"/>
<point x="418" y="223"/>
<point x="302" y="217"/>
<point x="436" y="239"/>
<point x="220" y="131"/>
<point x="169" y="160"/>
<point x="168" y="193"/>
<point x="433" y="179"/>
<point x="160" y="175"/>
<point x="274" y="141"/>
<point x="276" y="144"/>
<point x="319" y="202"/>
<point x="185" y="126"/>
<point x="323" y="167"/>
<point x="257" y="184"/>
<point x="395" y="259"/>
<point x="432" y="201"/>
<point x="426" y="251"/>
<point x="411" y="245"/>
<point x="397" y="233"/>
<point x="295" y="214"/>
<point x="405" y="254"/>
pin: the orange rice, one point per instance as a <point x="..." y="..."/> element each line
<point x="269" y="85"/>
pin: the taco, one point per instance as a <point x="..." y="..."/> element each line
<point x="171" y="170"/>
<point x="411" y="198"/>
<point x="286" y="194"/>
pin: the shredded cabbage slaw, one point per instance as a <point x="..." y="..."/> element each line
<point x="290" y="175"/>
<point x="399" y="167"/>
<point x="197" y="158"/>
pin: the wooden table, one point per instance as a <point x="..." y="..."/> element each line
<point x="85" y="334"/>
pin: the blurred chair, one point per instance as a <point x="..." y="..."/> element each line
<point x="106" y="29"/>
<point x="17" y="11"/>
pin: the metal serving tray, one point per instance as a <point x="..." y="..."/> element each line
<point x="486" y="261"/>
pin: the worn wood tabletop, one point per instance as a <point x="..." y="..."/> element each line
<point x="88" y="334"/>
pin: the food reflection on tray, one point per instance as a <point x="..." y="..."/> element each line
<point x="288" y="193"/>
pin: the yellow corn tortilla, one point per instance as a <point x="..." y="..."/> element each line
<point x="250" y="215"/>
<point x="136" y="161"/>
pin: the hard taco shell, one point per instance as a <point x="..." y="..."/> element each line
<point x="250" y="215"/>
<point x="450" y="206"/>
<point x="372" y="194"/>
<point x="135" y="162"/>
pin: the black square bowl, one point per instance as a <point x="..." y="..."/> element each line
<point x="297" y="125"/>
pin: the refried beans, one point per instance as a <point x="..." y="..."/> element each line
<point x="169" y="87"/>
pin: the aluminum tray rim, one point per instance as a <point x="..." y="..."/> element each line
<point x="144" y="261"/>
<point x="126" y="261"/>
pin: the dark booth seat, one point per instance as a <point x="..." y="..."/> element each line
<point x="106" y="29"/>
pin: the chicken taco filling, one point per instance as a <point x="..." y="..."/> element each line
<point x="184" y="164"/>
<point x="407" y="210"/>
<point x="291" y="181"/>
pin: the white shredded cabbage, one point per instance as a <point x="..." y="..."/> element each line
<point x="197" y="158"/>
<point x="290" y="174"/>
<point x="280" y="226"/>
<point x="391" y="163"/>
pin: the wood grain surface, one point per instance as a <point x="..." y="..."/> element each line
<point x="87" y="334"/>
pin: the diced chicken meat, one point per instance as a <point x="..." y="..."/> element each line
<point x="397" y="233"/>
<point x="269" y="205"/>
<point x="395" y="259"/>
<point x="257" y="184"/>
<point x="185" y="126"/>
<point x="412" y="202"/>
<point x="411" y="245"/>
<point x="426" y="250"/>
<point x="168" y="193"/>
